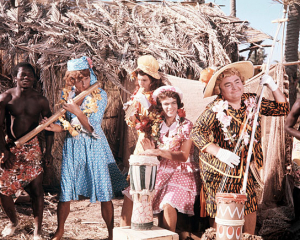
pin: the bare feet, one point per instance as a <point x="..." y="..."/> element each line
<point x="57" y="235"/>
<point x="37" y="234"/>
<point x="37" y="237"/>
<point x="9" y="230"/>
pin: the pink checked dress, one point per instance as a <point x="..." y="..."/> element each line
<point x="177" y="183"/>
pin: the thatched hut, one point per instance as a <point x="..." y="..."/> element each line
<point x="184" y="37"/>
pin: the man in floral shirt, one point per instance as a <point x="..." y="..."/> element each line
<point x="219" y="127"/>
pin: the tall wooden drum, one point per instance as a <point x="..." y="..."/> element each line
<point x="230" y="215"/>
<point x="142" y="188"/>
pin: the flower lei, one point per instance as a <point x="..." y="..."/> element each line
<point x="146" y="123"/>
<point x="220" y="107"/>
<point x="89" y="106"/>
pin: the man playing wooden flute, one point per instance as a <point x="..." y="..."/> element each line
<point x="21" y="108"/>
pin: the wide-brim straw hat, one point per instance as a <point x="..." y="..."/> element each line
<point x="245" y="68"/>
<point x="148" y="64"/>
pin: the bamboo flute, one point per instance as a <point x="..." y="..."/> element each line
<point x="54" y="117"/>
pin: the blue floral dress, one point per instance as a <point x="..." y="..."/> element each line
<point x="88" y="165"/>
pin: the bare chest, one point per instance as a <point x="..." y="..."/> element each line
<point x="24" y="106"/>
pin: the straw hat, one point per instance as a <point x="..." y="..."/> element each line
<point x="245" y="68"/>
<point x="148" y="64"/>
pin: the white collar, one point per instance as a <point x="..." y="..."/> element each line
<point x="172" y="129"/>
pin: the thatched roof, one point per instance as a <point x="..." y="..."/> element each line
<point x="184" y="38"/>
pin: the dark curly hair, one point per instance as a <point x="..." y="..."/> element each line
<point x="23" y="65"/>
<point x="168" y="94"/>
<point x="154" y="83"/>
<point x="72" y="77"/>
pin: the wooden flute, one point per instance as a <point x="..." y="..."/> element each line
<point x="54" y="117"/>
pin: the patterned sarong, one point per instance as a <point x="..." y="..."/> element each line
<point x="26" y="168"/>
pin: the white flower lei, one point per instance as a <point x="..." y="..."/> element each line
<point x="225" y="120"/>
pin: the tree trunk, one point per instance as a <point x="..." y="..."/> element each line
<point x="291" y="49"/>
<point x="232" y="8"/>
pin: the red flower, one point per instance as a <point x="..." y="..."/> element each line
<point x="143" y="125"/>
<point x="138" y="125"/>
<point x="181" y="113"/>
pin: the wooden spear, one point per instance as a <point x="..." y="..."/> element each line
<point x="243" y="190"/>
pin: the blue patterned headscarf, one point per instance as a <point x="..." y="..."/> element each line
<point x="81" y="64"/>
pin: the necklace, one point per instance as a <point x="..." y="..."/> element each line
<point x="88" y="107"/>
<point x="224" y="116"/>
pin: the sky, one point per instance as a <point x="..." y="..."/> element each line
<point x="259" y="14"/>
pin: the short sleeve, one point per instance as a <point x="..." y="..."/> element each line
<point x="273" y="108"/>
<point x="63" y="96"/>
<point x="95" y="118"/>
<point x="186" y="129"/>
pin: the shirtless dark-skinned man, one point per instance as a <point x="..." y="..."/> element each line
<point x="21" y="108"/>
<point x="290" y="122"/>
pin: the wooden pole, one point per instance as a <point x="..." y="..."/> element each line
<point x="249" y="155"/>
<point x="284" y="64"/>
<point x="54" y="117"/>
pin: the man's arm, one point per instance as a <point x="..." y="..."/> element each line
<point x="279" y="96"/>
<point x="3" y="103"/>
<point x="291" y="120"/>
<point x="46" y="112"/>
<point x="8" y="158"/>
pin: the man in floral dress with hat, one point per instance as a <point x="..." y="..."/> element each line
<point x="220" y="125"/>
<point x="88" y="165"/>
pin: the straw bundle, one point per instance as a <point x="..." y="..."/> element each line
<point x="183" y="38"/>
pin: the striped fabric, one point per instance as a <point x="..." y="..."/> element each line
<point x="142" y="177"/>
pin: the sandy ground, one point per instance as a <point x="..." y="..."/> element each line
<point x="84" y="221"/>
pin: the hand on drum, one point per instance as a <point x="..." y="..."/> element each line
<point x="147" y="144"/>
<point x="151" y="152"/>
<point x="149" y="148"/>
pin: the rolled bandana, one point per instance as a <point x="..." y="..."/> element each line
<point x="81" y="64"/>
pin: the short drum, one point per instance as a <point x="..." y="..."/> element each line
<point x="230" y="215"/>
<point x="142" y="187"/>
